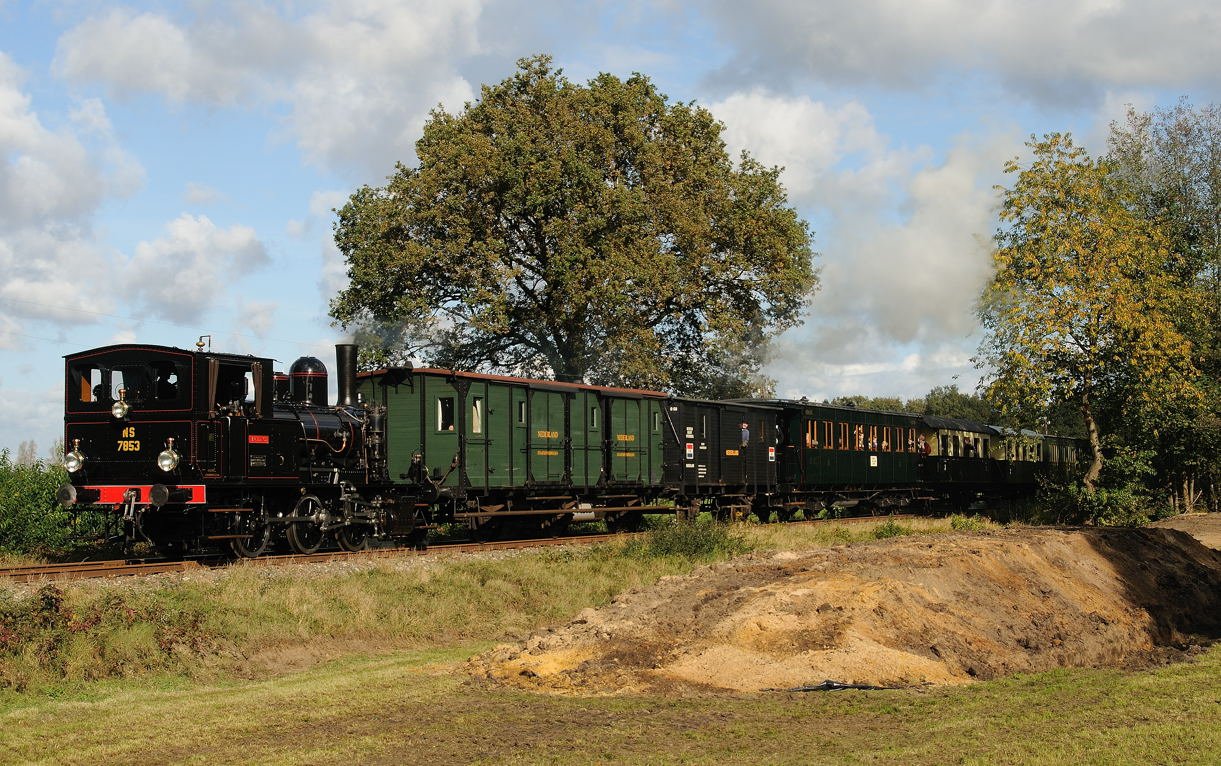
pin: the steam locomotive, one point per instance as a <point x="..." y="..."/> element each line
<point x="199" y="452"/>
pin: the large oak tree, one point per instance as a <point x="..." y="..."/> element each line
<point x="1083" y="300"/>
<point x="593" y="232"/>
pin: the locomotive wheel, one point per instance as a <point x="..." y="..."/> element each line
<point x="306" y="536"/>
<point x="353" y="538"/>
<point x="260" y="535"/>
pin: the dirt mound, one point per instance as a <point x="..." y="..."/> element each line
<point x="943" y="610"/>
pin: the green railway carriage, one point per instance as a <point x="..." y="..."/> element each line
<point x="494" y="445"/>
<point x="848" y="456"/>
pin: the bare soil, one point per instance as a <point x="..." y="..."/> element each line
<point x="905" y="612"/>
<point x="1205" y="527"/>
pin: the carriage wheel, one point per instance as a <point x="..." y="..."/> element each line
<point x="353" y="538"/>
<point x="306" y="536"/>
<point x="259" y="531"/>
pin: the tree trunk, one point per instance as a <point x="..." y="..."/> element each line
<point x="1091" y="427"/>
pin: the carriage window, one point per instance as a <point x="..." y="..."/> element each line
<point x="811" y="439"/>
<point x="828" y="433"/>
<point x="873" y="438"/>
<point x="656" y="422"/>
<point x="593" y="418"/>
<point x="445" y="413"/>
<point x="521" y="413"/>
<point x="886" y="439"/>
<point x="843" y="436"/>
<point x="859" y="438"/>
<point x="703" y="426"/>
<point x="477" y="415"/>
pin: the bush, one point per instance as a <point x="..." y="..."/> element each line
<point x="30" y="519"/>
<point x="1109" y="507"/>
<point x="46" y="636"/>
<point x="960" y="523"/>
<point x="700" y="541"/>
<point x="890" y="529"/>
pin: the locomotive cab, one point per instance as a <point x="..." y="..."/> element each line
<point x="128" y="414"/>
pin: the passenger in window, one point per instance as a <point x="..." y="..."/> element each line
<point x="166" y="388"/>
<point x="745" y="433"/>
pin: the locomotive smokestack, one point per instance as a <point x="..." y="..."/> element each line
<point x="345" y="373"/>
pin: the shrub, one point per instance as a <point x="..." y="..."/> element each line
<point x="960" y="523"/>
<point x="45" y="636"/>
<point x="890" y="529"/>
<point x="700" y="541"/>
<point x="30" y="519"/>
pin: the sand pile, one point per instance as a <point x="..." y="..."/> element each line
<point x="910" y="611"/>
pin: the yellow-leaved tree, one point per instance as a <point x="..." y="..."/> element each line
<point x="1081" y="304"/>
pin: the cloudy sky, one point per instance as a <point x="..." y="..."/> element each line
<point x="169" y="169"/>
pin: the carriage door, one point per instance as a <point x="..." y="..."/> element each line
<point x="738" y="444"/>
<point x="586" y="429"/>
<point x="476" y="432"/>
<point x="627" y="437"/>
<point x="701" y="444"/>
<point x="548" y="436"/>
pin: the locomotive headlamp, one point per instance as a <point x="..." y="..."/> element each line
<point x="168" y="459"/>
<point x="74" y="460"/>
<point x="120" y="408"/>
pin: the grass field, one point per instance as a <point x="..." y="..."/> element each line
<point x="419" y="707"/>
<point x="367" y="666"/>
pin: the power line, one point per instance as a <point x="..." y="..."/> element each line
<point x="136" y="320"/>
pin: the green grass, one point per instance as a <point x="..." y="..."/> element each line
<point x="421" y="706"/>
<point x="242" y="618"/>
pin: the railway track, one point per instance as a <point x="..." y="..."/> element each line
<point x="120" y="568"/>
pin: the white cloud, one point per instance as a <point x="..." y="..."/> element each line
<point x="904" y="243"/>
<point x="26" y="410"/>
<point x="258" y="316"/>
<point x="135" y="52"/>
<point x="201" y="194"/>
<point x="357" y="78"/>
<point x="180" y="275"/>
<point x="830" y="154"/>
<point x="1054" y="51"/>
<point x="52" y="182"/>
